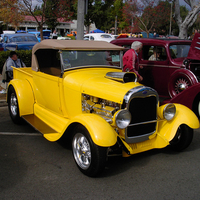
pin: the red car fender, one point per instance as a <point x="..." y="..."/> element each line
<point x="181" y="76"/>
<point x="189" y="97"/>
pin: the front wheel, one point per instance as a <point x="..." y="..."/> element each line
<point x="182" y="139"/>
<point x="89" y="157"/>
<point x="179" y="81"/>
<point x="196" y="106"/>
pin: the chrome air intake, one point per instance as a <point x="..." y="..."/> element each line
<point x="124" y="77"/>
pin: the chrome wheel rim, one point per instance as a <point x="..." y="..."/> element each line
<point x="81" y="151"/>
<point x="181" y="84"/>
<point x="13" y="104"/>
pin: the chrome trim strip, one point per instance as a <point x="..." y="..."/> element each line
<point x="198" y="42"/>
<point x="197" y="48"/>
<point x="149" y="122"/>
<point x="151" y="65"/>
<point x="140" y="138"/>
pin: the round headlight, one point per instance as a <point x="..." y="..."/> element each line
<point x="123" y="119"/>
<point x="169" y="111"/>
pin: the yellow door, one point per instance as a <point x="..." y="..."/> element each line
<point x="47" y="92"/>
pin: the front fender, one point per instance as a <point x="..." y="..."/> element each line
<point x="100" y="131"/>
<point x="183" y="115"/>
<point x="24" y="94"/>
<point x="191" y="92"/>
<point x="182" y="97"/>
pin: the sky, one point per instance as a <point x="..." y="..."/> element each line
<point x="35" y="2"/>
<point x="182" y="2"/>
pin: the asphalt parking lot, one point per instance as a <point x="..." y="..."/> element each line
<point x="34" y="168"/>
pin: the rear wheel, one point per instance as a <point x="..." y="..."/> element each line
<point x="13" y="106"/>
<point x="89" y="157"/>
<point x="182" y="139"/>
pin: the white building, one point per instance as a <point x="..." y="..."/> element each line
<point x="64" y="26"/>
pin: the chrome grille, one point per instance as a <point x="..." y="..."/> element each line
<point x="142" y="103"/>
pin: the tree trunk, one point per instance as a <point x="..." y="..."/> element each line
<point x="147" y="34"/>
<point x="190" y="18"/>
<point x="41" y="33"/>
<point x="182" y="32"/>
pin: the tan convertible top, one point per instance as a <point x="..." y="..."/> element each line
<point x="71" y="45"/>
<point x="75" y="45"/>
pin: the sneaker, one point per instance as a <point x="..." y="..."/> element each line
<point x="3" y="91"/>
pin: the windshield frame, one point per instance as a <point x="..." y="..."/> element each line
<point x="92" y="65"/>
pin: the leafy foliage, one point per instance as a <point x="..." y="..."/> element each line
<point x="9" y="12"/>
<point x="25" y="55"/>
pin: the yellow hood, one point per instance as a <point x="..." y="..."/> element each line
<point x="92" y="81"/>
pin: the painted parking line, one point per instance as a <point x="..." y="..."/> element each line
<point x="20" y="134"/>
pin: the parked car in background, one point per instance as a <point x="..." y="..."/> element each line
<point x="98" y="37"/>
<point x="72" y="33"/>
<point x="114" y="36"/>
<point x="60" y="37"/>
<point x="20" y="41"/>
<point x="77" y="93"/>
<point x="175" y="73"/>
<point x="6" y="32"/>
<point x="46" y="34"/>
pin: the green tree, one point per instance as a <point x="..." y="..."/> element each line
<point x="51" y="15"/>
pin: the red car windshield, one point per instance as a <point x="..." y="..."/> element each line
<point x="179" y="50"/>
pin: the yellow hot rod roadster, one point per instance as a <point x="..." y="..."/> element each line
<point x="76" y="90"/>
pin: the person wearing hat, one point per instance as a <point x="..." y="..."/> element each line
<point x="13" y="61"/>
<point x="131" y="60"/>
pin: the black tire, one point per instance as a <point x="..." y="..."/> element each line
<point x="89" y="157"/>
<point x="196" y="106"/>
<point x="13" y="106"/>
<point x="182" y="139"/>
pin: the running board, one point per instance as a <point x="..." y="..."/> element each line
<point x="38" y="124"/>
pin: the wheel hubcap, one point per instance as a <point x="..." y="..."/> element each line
<point x="180" y="85"/>
<point x="81" y="151"/>
<point x="13" y="104"/>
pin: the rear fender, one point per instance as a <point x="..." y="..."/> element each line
<point x="24" y="94"/>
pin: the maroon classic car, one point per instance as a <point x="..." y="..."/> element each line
<point x="172" y="67"/>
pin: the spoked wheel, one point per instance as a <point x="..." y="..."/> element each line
<point x="13" y="106"/>
<point x="182" y="139"/>
<point x="89" y="157"/>
<point x="181" y="84"/>
<point x="180" y="81"/>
